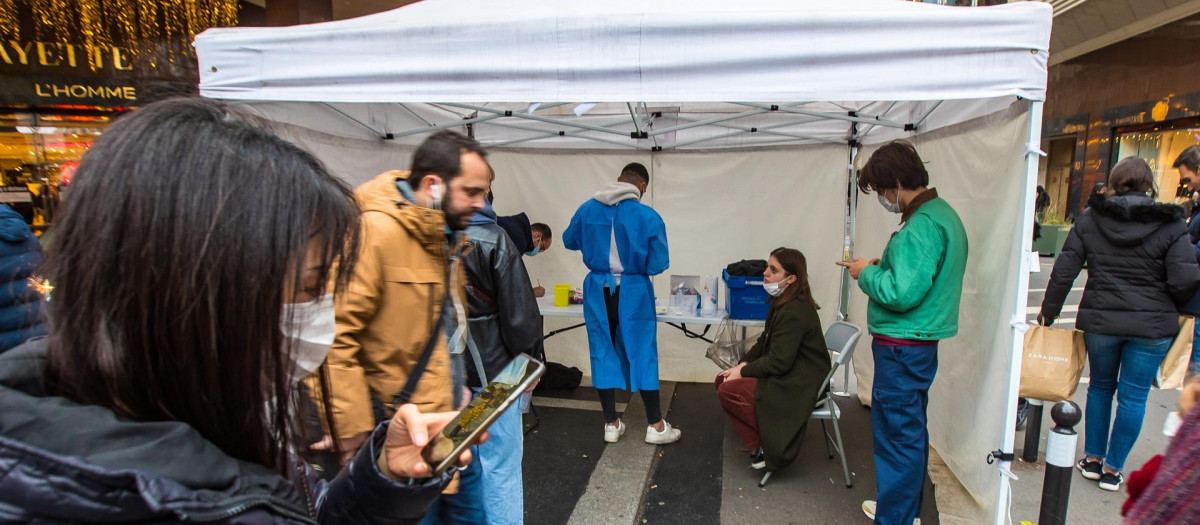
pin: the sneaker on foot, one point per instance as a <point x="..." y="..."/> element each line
<point x="669" y="434"/>
<point x="758" y="461"/>
<point x="1090" y="469"/>
<point x="613" y="433"/>
<point x="868" y="508"/>
<point x="1111" y="481"/>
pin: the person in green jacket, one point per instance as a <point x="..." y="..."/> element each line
<point x="914" y="292"/>
<point x="769" y="395"/>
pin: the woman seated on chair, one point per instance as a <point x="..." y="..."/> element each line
<point x="770" y="394"/>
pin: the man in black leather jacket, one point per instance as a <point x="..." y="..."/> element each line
<point x="504" y="321"/>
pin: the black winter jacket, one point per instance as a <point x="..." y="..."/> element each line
<point x="63" y="462"/>
<point x="1194" y="232"/>
<point x="1140" y="266"/>
<point x="504" y="315"/>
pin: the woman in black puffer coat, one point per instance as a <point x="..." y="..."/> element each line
<point x="1140" y="266"/>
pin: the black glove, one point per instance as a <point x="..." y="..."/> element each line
<point x="1044" y="321"/>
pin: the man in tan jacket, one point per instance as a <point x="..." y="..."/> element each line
<point x="407" y="289"/>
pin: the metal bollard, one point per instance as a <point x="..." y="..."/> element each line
<point x="1060" y="461"/>
<point x="1033" y="431"/>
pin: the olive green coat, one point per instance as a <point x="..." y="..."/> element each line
<point x="790" y="361"/>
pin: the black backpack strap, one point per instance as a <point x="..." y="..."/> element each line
<point x="410" y="385"/>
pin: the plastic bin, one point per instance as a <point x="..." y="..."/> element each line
<point x="746" y="298"/>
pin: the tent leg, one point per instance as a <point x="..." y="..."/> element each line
<point x="1021" y="301"/>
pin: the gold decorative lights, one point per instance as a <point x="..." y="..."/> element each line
<point x="97" y="25"/>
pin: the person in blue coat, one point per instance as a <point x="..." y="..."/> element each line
<point x="21" y="315"/>
<point x="623" y="242"/>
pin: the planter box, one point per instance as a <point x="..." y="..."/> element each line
<point x="1052" y="240"/>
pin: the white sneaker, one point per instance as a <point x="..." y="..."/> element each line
<point x="669" y="434"/>
<point x="868" y="508"/>
<point x="612" y="434"/>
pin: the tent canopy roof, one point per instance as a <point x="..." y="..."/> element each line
<point x="803" y="66"/>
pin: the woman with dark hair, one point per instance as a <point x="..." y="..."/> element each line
<point x="189" y="276"/>
<point x="769" y="395"/>
<point x="1140" y="266"/>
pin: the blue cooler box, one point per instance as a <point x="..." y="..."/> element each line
<point x="745" y="297"/>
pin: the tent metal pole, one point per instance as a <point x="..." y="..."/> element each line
<point x="637" y="125"/>
<point x="378" y="133"/>
<point x="689" y="143"/>
<point x="849" y="230"/>
<point x="1018" y="314"/>
<point x="539" y="118"/>
<point x="863" y="135"/>
<point x="930" y="112"/>
<point x="414" y="113"/>
<point x="861" y="120"/>
<point x="707" y="121"/>
<point x="548" y="106"/>
<point x="435" y="127"/>
<point x="542" y="134"/>
<point x="769" y="130"/>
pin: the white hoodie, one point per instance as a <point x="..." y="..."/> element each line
<point x="611" y="195"/>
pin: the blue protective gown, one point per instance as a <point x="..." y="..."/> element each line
<point x="641" y="239"/>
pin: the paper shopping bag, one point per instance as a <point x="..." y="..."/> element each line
<point x="1052" y="363"/>
<point x="1174" y="366"/>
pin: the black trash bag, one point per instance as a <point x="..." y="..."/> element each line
<point x="559" y="377"/>
<point x="747" y="268"/>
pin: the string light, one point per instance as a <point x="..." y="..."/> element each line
<point x="102" y="23"/>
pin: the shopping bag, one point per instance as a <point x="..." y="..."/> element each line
<point x="1052" y="363"/>
<point x="1174" y="365"/>
<point x="731" y="344"/>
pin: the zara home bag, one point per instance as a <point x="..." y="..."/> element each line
<point x="1052" y="363"/>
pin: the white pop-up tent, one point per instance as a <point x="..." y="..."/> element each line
<point x="751" y="116"/>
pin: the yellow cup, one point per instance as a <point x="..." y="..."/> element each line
<point x="562" y="294"/>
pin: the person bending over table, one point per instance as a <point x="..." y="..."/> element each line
<point x="769" y="395"/>
<point x="623" y="242"/>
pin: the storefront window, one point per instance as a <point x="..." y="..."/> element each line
<point x="1159" y="146"/>
<point x="38" y="155"/>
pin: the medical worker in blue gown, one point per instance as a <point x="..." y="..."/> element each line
<point x="624" y="242"/>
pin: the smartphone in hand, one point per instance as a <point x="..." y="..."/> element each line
<point x="499" y="395"/>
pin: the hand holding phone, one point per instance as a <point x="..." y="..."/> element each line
<point x="472" y="421"/>
<point x="407" y="434"/>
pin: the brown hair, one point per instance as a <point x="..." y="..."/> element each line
<point x="1189" y="157"/>
<point x="894" y="164"/>
<point x="794" y="263"/>
<point x="1131" y="175"/>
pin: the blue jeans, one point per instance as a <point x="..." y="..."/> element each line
<point x="1125" y="366"/>
<point x="1194" y="364"/>
<point x="465" y="507"/>
<point x="899" y="428"/>
<point x="500" y="458"/>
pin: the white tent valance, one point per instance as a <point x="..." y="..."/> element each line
<point x="641" y="75"/>
<point x="471" y="51"/>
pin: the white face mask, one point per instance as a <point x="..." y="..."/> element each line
<point x="893" y="207"/>
<point x="309" y="328"/>
<point x="774" y="289"/>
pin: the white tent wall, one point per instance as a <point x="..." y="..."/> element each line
<point x="722" y="207"/>
<point x="719" y="207"/>
<point x="979" y="168"/>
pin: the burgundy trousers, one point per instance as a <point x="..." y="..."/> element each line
<point x="737" y="398"/>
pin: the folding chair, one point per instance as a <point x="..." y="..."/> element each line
<point x="840" y="338"/>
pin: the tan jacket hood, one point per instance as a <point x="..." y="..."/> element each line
<point x="381" y="195"/>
